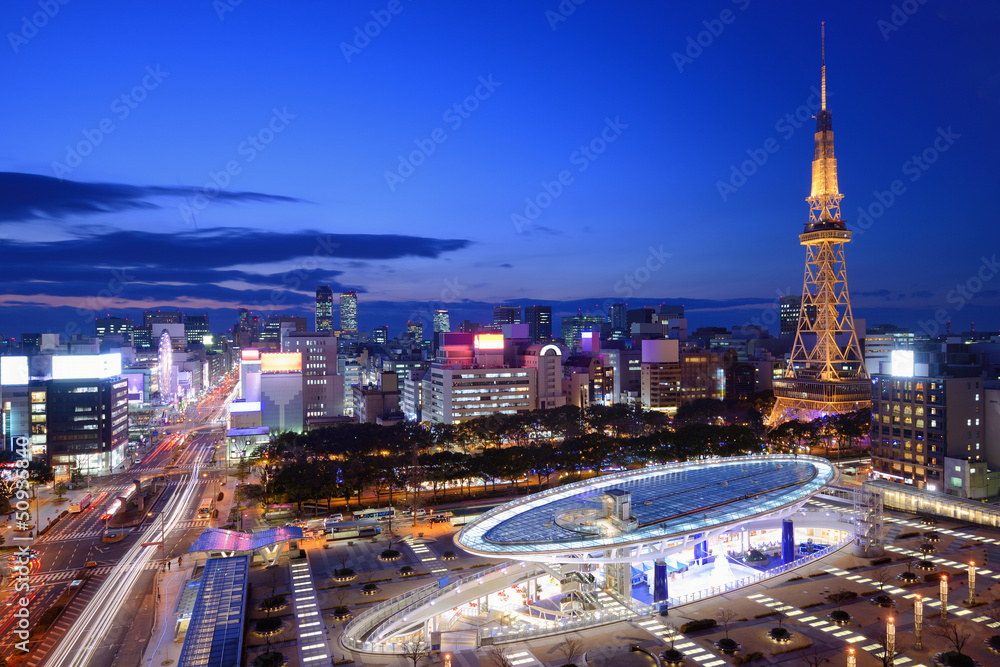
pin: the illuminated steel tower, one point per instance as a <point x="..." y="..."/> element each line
<point x="826" y="374"/>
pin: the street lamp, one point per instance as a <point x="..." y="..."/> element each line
<point x="943" y="590"/>
<point x="918" y="618"/>
<point x="972" y="583"/>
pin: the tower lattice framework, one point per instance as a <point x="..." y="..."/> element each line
<point x="826" y="373"/>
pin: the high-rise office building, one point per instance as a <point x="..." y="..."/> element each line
<point x="539" y="320"/>
<point x="349" y="311"/>
<point x="196" y="328"/>
<point x="274" y="324"/>
<point x="788" y="313"/>
<point x="619" y="323"/>
<point x="323" y="388"/>
<point x="442" y="322"/>
<point x="324" y="308"/>
<point x="505" y="314"/>
<point x="246" y="331"/>
<point x="105" y="327"/>
<point x="574" y="325"/>
<point x="162" y="317"/>
<point x="380" y="335"/>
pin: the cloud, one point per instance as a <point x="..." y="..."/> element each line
<point x="31" y="197"/>
<point x="221" y="264"/>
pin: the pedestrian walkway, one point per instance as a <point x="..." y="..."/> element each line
<point x="943" y="531"/>
<point x="848" y="636"/>
<point x="162" y="649"/>
<point x="419" y="547"/>
<point x="312" y="633"/>
<point x="690" y="649"/>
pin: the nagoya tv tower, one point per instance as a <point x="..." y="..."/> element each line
<point x="826" y="374"/>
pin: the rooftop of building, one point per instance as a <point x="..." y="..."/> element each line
<point x="667" y="502"/>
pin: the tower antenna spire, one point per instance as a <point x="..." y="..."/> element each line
<point x="822" y="37"/>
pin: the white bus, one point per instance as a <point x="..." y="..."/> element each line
<point x="80" y="504"/>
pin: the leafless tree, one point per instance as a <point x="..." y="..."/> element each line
<point x="882" y="575"/>
<point x="415" y="652"/>
<point x="726" y="617"/>
<point x="569" y="648"/>
<point x="993" y="611"/>
<point x="671" y="634"/>
<point x="498" y="655"/>
<point x="780" y="615"/>
<point x="882" y="639"/>
<point x="839" y="596"/>
<point x="815" y="659"/>
<point x="953" y="634"/>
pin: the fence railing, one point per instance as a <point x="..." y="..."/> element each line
<point x="358" y="632"/>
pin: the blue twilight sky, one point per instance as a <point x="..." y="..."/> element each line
<point x="421" y="166"/>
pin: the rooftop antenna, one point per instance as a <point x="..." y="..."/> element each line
<point x="822" y="34"/>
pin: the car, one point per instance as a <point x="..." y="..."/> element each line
<point x="439" y="518"/>
<point x="15" y="558"/>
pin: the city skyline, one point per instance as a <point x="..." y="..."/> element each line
<point x="266" y="186"/>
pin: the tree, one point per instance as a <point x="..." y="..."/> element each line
<point x="60" y="490"/>
<point x="815" y="659"/>
<point x="953" y="634"/>
<point x="726" y="616"/>
<point x="569" y="648"/>
<point x="40" y="472"/>
<point x="415" y="652"/>
<point x="498" y="655"/>
<point x="882" y="575"/>
<point x="5" y="507"/>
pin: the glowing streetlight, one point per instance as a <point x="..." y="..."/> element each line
<point x="944" y="596"/>
<point x="852" y="660"/>
<point x="890" y="640"/>
<point x="972" y="583"/>
<point x="918" y="618"/>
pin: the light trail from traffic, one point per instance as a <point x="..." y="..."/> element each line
<point x="87" y="633"/>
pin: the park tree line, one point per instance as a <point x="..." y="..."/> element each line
<point x="408" y="464"/>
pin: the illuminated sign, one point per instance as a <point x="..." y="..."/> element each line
<point x="206" y="340"/>
<point x="136" y="384"/>
<point x="489" y="341"/>
<point x="244" y="406"/>
<point x="280" y="362"/>
<point x="902" y="363"/>
<point x="250" y="355"/>
<point x="86" y="366"/>
<point x="13" y="371"/>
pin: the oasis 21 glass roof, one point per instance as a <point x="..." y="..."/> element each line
<point x="666" y="502"/>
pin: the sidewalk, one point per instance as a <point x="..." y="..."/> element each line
<point x="162" y="647"/>
<point x="47" y="509"/>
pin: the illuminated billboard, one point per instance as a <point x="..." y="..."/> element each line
<point x="206" y="341"/>
<point x="244" y="406"/>
<point x="250" y="355"/>
<point x="489" y="341"/>
<point x="13" y="371"/>
<point x="902" y="363"/>
<point x="136" y="384"/>
<point x="280" y="362"/>
<point x="86" y="366"/>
